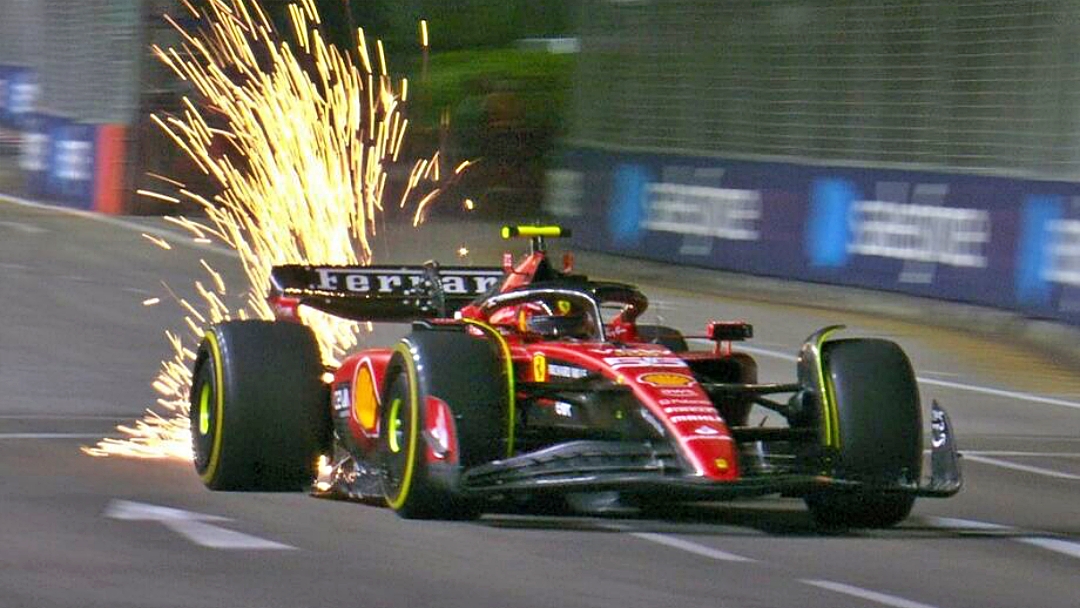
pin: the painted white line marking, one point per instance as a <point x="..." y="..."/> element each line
<point x="176" y="238"/>
<point x="192" y="526"/>
<point x="1021" y="454"/>
<point x="768" y="353"/>
<point x="1035" y="539"/>
<point x="24" y="228"/>
<point x="50" y="435"/>
<point x="689" y="547"/>
<point x="66" y="417"/>
<point x="866" y="594"/>
<point x="945" y="383"/>
<point x="952" y="523"/>
<point x="1057" y="545"/>
<point x="1020" y="467"/>
<point x="678" y="543"/>
<point x="1001" y="393"/>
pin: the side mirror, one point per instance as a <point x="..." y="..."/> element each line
<point x="729" y="331"/>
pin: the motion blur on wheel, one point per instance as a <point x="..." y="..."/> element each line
<point x="527" y="384"/>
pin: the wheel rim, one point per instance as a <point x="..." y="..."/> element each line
<point x="202" y="419"/>
<point x="204" y="409"/>
<point x="395" y="434"/>
<point x="397" y="425"/>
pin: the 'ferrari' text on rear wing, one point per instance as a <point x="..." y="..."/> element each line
<point x="384" y="293"/>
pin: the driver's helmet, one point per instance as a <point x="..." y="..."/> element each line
<point x="550" y="320"/>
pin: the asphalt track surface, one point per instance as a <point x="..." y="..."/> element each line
<point x="78" y="350"/>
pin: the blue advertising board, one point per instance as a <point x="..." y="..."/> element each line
<point x="71" y="163"/>
<point x="18" y="95"/>
<point x="34" y="152"/>
<point x="5" y="79"/>
<point x="994" y="241"/>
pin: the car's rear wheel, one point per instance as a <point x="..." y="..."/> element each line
<point x="446" y="407"/>
<point x="872" y="433"/>
<point x="258" y="407"/>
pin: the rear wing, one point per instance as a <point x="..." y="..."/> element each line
<point x="382" y="293"/>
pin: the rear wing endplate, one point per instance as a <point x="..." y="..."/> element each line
<point x="384" y="293"/>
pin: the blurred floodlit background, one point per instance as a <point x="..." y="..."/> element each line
<point x="987" y="87"/>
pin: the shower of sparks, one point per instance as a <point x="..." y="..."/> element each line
<point x="298" y="135"/>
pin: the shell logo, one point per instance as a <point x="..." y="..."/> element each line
<point x="665" y="379"/>
<point x="365" y="397"/>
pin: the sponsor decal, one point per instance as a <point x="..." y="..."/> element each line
<point x="629" y="352"/>
<point x="939" y="431"/>
<point x="565" y="192"/>
<point x="403" y="281"/>
<point x="706" y="430"/>
<point x="678" y="392"/>
<point x="685" y="401"/>
<point x="365" y="404"/>
<point x="710" y="417"/>
<point x="621" y="362"/>
<point x="1048" y="251"/>
<point x="625" y="214"/>
<point x="74" y="160"/>
<point x="566" y="371"/>
<point x="539" y="367"/>
<point x="723" y="213"/>
<point x="903" y="221"/>
<point x="341" y="399"/>
<point x="564" y="409"/>
<point x="34" y="153"/>
<point x="1063" y="258"/>
<point x="689" y="409"/>
<point x="666" y="379"/>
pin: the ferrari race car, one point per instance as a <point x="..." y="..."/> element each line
<point x="529" y="381"/>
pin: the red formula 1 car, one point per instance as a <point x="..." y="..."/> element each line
<point x="528" y="381"/>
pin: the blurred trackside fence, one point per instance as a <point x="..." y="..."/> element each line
<point x="77" y="86"/>
<point x="930" y="147"/>
<point x="69" y="92"/>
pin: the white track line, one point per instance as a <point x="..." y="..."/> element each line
<point x="689" y="547"/>
<point x="1004" y="464"/>
<point x="945" y="383"/>
<point x="105" y="418"/>
<point x="51" y="436"/>
<point x="1021" y="454"/>
<point x="175" y="237"/>
<point x="1035" y="539"/>
<point x="866" y="594"/>
<point x="678" y="543"/>
<point x="1056" y="545"/>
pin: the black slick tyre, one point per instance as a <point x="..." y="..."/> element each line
<point x="258" y="406"/>
<point x="467" y="375"/>
<point x="663" y="335"/>
<point x="873" y="433"/>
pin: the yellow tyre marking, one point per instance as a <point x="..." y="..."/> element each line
<point x="830" y="418"/>
<point x="511" y="402"/>
<point x="391" y="436"/>
<point x="219" y="403"/>
<point x="398" y="501"/>
<point x="204" y="409"/>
